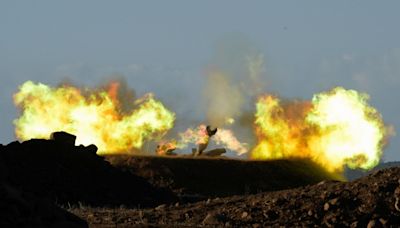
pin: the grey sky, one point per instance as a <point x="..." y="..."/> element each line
<point x="167" y="46"/>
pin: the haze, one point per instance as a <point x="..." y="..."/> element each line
<point x="169" y="47"/>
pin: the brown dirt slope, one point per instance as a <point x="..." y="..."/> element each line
<point x="372" y="201"/>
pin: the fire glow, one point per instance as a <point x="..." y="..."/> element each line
<point x="93" y="116"/>
<point x="335" y="129"/>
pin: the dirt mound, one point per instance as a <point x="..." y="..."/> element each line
<point x="24" y="209"/>
<point x="372" y="201"/>
<point x="69" y="174"/>
<point x="217" y="177"/>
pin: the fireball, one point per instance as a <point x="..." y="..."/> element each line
<point x="93" y="116"/>
<point x="335" y="129"/>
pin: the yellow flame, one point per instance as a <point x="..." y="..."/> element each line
<point x="93" y="116"/>
<point x="335" y="129"/>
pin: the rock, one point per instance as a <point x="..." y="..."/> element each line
<point x="91" y="149"/>
<point x="209" y="220"/>
<point x="161" y="207"/>
<point x="64" y="137"/>
<point x="397" y="201"/>
<point x="244" y="214"/>
<point x="214" y="152"/>
<point x="382" y="221"/>
<point x="326" y="206"/>
<point x="371" y="224"/>
<point x="354" y="224"/>
<point x="333" y="201"/>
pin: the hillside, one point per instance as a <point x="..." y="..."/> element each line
<point x="195" y="178"/>
<point x="55" y="183"/>
<point x="372" y="201"/>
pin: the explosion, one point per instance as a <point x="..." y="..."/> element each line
<point x="199" y="136"/>
<point x="335" y="129"/>
<point x="94" y="116"/>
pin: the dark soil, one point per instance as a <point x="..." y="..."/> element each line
<point x="372" y="201"/>
<point x="37" y="176"/>
<point x="52" y="183"/>
<point x="23" y="209"/>
<point x="194" y="178"/>
<point x="69" y="174"/>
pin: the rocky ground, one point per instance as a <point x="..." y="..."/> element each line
<point x="372" y="201"/>
<point x="52" y="183"/>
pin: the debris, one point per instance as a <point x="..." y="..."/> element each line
<point x="215" y="152"/>
<point x="202" y="146"/>
<point x="211" y="132"/>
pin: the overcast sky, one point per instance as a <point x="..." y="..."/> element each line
<point x="166" y="47"/>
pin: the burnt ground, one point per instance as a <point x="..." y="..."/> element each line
<point x="52" y="183"/>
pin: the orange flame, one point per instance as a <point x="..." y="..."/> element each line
<point x="93" y="116"/>
<point x="113" y="91"/>
<point x="335" y="129"/>
<point x="164" y="148"/>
